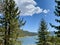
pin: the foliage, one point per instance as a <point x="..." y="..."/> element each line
<point x="57" y="13"/>
<point x="10" y="22"/>
<point x="42" y="33"/>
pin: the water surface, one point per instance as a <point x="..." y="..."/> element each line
<point x="30" y="40"/>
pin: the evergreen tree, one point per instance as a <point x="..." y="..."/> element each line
<point x="10" y="22"/>
<point x="42" y="33"/>
<point x="57" y="13"/>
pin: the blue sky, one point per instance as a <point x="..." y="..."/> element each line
<point x="33" y="20"/>
<point x="33" y="10"/>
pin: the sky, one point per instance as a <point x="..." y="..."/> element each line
<point x="32" y="11"/>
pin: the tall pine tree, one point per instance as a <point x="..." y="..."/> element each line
<point x="10" y="23"/>
<point x="57" y="13"/>
<point x="42" y="33"/>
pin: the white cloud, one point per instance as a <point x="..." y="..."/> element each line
<point x="28" y="7"/>
<point x="45" y="11"/>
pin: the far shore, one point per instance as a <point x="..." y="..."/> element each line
<point x="25" y="36"/>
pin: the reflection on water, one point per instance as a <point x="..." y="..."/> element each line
<point x="28" y="40"/>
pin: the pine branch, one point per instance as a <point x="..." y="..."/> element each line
<point x="57" y="20"/>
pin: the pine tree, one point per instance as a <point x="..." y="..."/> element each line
<point x="42" y="33"/>
<point x="57" y="13"/>
<point x="10" y="22"/>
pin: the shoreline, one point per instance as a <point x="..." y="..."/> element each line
<point x="26" y="36"/>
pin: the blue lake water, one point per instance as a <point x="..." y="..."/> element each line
<point x="31" y="40"/>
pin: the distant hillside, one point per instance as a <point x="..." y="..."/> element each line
<point x="26" y="33"/>
<point x="23" y="33"/>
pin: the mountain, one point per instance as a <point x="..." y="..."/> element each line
<point x="23" y="33"/>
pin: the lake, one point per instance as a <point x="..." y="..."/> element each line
<point x="30" y="40"/>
